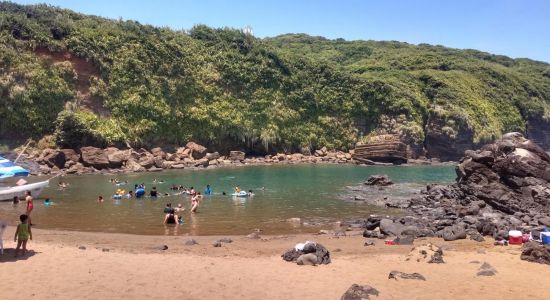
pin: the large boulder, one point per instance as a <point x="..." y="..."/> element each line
<point x="94" y="157"/>
<point x="146" y="160"/>
<point x="389" y="227"/>
<point x="212" y="156"/>
<point x="236" y="155"/>
<point x="535" y="252"/>
<point x="71" y="155"/>
<point x="157" y="152"/>
<point x="116" y="157"/>
<point x="134" y="166"/>
<point x="512" y="175"/>
<point x="197" y="151"/>
<point x="53" y="158"/>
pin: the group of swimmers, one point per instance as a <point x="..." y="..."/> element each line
<point x="174" y="215"/>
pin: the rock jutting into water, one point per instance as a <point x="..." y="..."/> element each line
<point x="502" y="186"/>
<point x="379" y="180"/>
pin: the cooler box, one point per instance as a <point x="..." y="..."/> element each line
<point x="515" y="237"/>
<point x="545" y="237"/>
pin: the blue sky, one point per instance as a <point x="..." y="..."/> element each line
<point x="516" y="28"/>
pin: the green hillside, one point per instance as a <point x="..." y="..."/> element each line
<point x="93" y="81"/>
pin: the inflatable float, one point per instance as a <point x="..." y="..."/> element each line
<point x="240" y="194"/>
<point x="140" y="192"/>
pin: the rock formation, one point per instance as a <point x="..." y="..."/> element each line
<point x="382" y="148"/>
<point x="502" y="186"/>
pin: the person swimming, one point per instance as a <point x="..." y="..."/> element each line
<point x="250" y="193"/>
<point x="208" y="190"/>
<point x="237" y="189"/>
<point x="47" y="202"/>
<point x="153" y="193"/>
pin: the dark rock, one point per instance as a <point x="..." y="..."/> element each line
<point x="372" y="223"/>
<point x="71" y="155"/>
<point x="476" y="236"/>
<point x="105" y="249"/>
<point x="437" y="257"/>
<point x="162" y="247"/>
<point x="225" y="240"/>
<point x="404" y="240"/>
<point x="370" y="243"/>
<point x="82" y="247"/>
<point x="379" y="180"/>
<point x="415" y="276"/>
<point x="453" y="233"/>
<point x="54" y="158"/>
<point x="359" y="292"/>
<point x="389" y="227"/>
<point x="190" y="242"/>
<point x="535" y="252"/>
<point x="486" y="270"/>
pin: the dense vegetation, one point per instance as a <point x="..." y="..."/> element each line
<point x="226" y="88"/>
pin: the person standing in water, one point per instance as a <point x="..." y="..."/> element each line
<point x="195" y="202"/>
<point x="30" y="206"/>
<point x="208" y="190"/>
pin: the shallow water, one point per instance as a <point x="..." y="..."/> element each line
<point x="313" y="193"/>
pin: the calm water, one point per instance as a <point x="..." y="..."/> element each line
<point x="310" y="192"/>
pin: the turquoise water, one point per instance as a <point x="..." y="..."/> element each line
<point x="311" y="192"/>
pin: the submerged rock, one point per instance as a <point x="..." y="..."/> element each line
<point x="379" y="180"/>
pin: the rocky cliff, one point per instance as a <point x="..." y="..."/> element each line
<point x="503" y="186"/>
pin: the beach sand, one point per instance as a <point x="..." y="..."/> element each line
<point x="117" y="265"/>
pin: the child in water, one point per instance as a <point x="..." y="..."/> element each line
<point x="22" y="234"/>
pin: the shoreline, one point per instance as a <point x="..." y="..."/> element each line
<point x="91" y="160"/>
<point x="108" y="266"/>
<point x="246" y="163"/>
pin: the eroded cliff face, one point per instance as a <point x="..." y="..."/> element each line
<point x="538" y="131"/>
<point x="439" y="144"/>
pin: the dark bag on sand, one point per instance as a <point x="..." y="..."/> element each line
<point x="309" y="248"/>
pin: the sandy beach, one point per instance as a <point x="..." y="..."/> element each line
<point x="131" y="266"/>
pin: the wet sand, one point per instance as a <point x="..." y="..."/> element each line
<point x="130" y="266"/>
